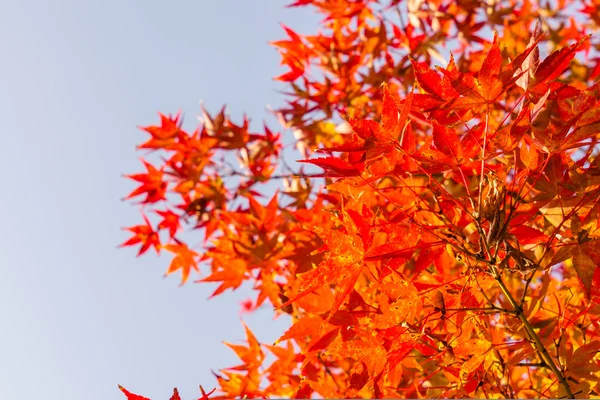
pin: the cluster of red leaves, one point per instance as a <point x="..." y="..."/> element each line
<point x="452" y="250"/>
<point x="175" y="396"/>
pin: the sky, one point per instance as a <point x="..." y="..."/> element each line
<point x="79" y="315"/>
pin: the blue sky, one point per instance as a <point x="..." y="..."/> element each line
<point x="80" y="315"/>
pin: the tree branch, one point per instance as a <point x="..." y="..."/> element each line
<point x="538" y="345"/>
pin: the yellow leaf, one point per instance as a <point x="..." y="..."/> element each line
<point x="584" y="266"/>
<point x="479" y="350"/>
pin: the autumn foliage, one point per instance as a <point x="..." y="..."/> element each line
<point x="436" y="231"/>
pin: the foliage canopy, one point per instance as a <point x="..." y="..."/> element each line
<point x="447" y="244"/>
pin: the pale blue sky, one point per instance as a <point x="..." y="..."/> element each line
<point x="77" y="77"/>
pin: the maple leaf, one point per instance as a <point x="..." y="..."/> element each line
<point x="367" y="351"/>
<point x="230" y="271"/>
<point x="205" y="396"/>
<point x="184" y="260"/>
<point x="152" y="184"/>
<point x="251" y="355"/>
<point x="298" y="190"/>
<point x="335" y="167"/>
<point x="132" y="396"/>
<point x="343" y="269"/>
<point x="304" y="391"/>
<point x="293" y="53"/>
<point x="145" y="235"/>
<point x="477" y="349"/>
<point x="585" y="267"/>
<point x="350" y="250"/>
<point x="299" y="3"/>
<point x="163" y="136"/>
<point x="446" y="140"/>
<point x="227" y="135"/>
<point x="292" y="75"/>
<point x="480" y="91"/>
<point x="378" y="141"/>
<point x="246" y="306"/>
<point x="170" y="221"/>
<point x="175" y="395"/>
<point x="526" y="71"/>
<point x="303" y="328"/>
<point x="402" y="304"/>
<point x="433" y="83"/>
<point x="555" y="64"/>
<point x="527" y="235"/>
<point x="491" y="86"/>
<point x="582" y="362"/>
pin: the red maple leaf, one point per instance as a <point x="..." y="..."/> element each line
<point x="170" y="221"/>
<point x="132" y="396"/>
<point x="145" y="235"/>
<point x="152" y="184"/>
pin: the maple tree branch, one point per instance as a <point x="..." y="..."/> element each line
<point x="484" y="245"/>
<point x="234" y="172"/>
<point x="492" y="309"/>
<point x="536" y="365"/>
<point x="527" y="283"/>
<point x="538" y="345"/>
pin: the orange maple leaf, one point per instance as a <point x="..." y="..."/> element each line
<point x="184" y="260"/>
